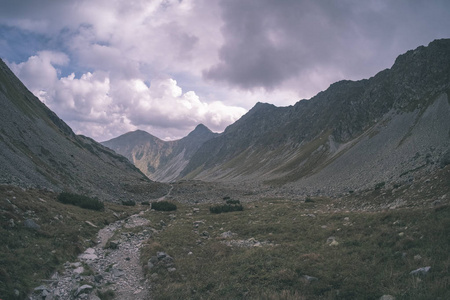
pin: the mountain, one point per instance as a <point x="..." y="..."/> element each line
<point x="160" y="160"/>
<point x="37" y="149"/>
<point x="354" y="135"/>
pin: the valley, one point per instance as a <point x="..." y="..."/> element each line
<point x="281" y="246"/>
<point x="342" y="196"/>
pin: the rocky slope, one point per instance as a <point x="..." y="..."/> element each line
<point x="389" y="128"/>
<point x="37" y="149"/>
<point x="160" y="160"/>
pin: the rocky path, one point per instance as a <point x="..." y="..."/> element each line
<point x="111" y="267"/>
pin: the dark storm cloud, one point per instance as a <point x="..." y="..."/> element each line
<point x="268" y="42"/>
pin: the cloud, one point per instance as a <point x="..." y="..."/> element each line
<point x="38" y="71"/>
<point x="163" y="65"/>
<point x="273" y="44"/>
<point x="103" y="107"/>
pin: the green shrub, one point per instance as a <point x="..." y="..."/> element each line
<point x="226" y="198"/>
<point x="309" y="200"/>
<point x="217" y="209"/>
<point x="81" y="201"/>
<point x="231" y="201"/>
<point x="145" y="203"/>
<point x="128" y="203"/>
<point x="164" y="206"/>
<point x="380" y="185"/>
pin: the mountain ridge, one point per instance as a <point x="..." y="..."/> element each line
<point x="290" y="144"/>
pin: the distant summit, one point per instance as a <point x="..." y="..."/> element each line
<point x="160" y="160"/>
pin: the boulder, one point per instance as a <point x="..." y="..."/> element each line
<point x="29" y="223"/>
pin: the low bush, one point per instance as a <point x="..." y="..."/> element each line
<point x="145" y="203"/>
<point x="380" y="185"/>
<point x="81" y="201"/>
<point x="128" y="203"/>
<point x="164" y="206"/>
<point x="217" y="209"/>
<point x="309" y="200"/>
<point x="231" y="201"/>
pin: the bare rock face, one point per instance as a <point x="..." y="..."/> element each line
<point x="37" y="149"/>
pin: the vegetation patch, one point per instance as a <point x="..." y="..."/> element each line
<point x="128" y="202"/>
<point x="217" y="209"/>
<point x="164" y="206"/>
<point x="81" y="201"/>
<point x="231" y="201"/>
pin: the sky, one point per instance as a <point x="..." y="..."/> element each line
<point x="164" y="66"/>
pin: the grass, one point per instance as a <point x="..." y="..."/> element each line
<point x="28" y="256"/>
<point x="374" y="256"/>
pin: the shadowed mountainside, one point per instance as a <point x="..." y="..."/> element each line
<point x="388" y="128"/>
<point x="37" y="149"/>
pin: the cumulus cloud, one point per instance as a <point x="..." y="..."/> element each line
<point x="103" y="107"/>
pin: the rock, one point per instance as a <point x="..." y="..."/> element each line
<point x="161" y="255"/>
<point x="227" y="234"/>
<point x="29" y="223"/>
<point x="153" y="259"/>
<point x="88" y="254"/>
<point x="94" y="297"/>
<point x="171" y="269"/>
<point x="196" y="210"/>
<point x="117" y="272"/>
<point x="85" y="288"/>
<point x="387" y="297"/>
<point x="168" y="261"/>
<point x="417" y="257"/>
<point x="114" y="244"/>
<point x="90" y="224"/>
<point x="41" y="288"/>
<point x="16" y="293"/>
<point x="98" y="278"/>
<point x="150" y="265"/>
<point x="421" y="271"/>
<point x="331" y="241"/>
<point x="11" y="223"/>
<point x="310" y="278"/>
<point x="205" y="234"/>
<point x="78" y="270"/>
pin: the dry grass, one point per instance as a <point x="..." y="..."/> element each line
<point x="374" y="256"/>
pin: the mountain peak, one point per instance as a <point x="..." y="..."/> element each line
<point x="199" y="130"/>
